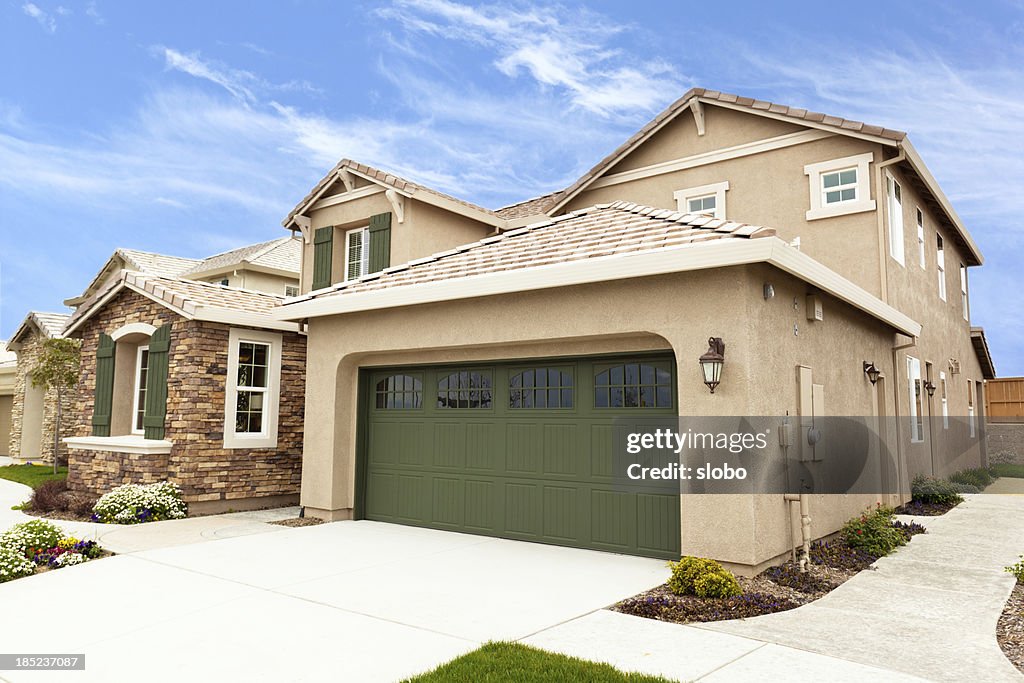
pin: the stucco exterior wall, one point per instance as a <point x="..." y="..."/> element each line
<point x="6" y="406"/>
<point x="35" y="409"/>
<point x="677" y="312"/>
<point x="211" y="476"/>
<point x="256" y="280"/>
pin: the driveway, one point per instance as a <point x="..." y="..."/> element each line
<point x="361" y="601"/>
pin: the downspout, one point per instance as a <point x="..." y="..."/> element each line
<point x="804" y="502"/>
<point x="883" y="264"/>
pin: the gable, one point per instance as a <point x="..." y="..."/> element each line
<point x="679" y="138"/>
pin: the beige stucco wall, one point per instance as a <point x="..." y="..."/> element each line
<point x="425" y="230"/>
<point x="676" y="312"/>
<point x="255" y="280"/>
<point x="6" y="404"/>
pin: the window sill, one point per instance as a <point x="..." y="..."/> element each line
<point x="120" y="444"/>
<point x="233" y="441"/>
<point x="840" y="210"/>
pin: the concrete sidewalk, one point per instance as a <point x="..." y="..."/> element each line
<point x="137" y="537"/>
<point x="928" y="611"/>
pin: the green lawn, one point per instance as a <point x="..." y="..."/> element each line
<point x="500" y="662"/>
<point x="1008" y="470"/>
<point x="32" y="475"/>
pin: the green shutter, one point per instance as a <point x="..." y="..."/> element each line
<point x="156" y="383"/>
<point x="380" y="242"/>
<point x="323" y="252"/>
<point x="104" y="386"/>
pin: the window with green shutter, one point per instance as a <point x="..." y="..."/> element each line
<point x="156" y="383"/>
<point x="104" y="396"/>
<point x="380" y="242"/>
<point x="323" y="252"/>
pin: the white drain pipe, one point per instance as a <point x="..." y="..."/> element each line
<point x="804" y="503"/>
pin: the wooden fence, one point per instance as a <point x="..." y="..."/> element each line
<point x="1004" y="399"/>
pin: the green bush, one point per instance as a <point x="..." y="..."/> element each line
<point x="935" y="491"/>
<point x="979" y="477"/>
<point x="1017" y="569"/>
<point x="27" y="537"/>
<point x="702" y="577"/>
<point x="873" y="532"/>
<point x="964" y="488"/>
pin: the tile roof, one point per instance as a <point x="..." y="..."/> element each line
<point x="527" y="207"/>
<point x="156" y="264"/>
<point x="601" y="230"/>
<point x="797" y="115"/>
<point x="383" y="177"/>
<point x="50" y="324"/>
<point x="283" y="253"/>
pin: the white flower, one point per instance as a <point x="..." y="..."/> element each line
<point x="135" y="503"/>
<point x="14" y="564"/>
<point x="68" y="559"/>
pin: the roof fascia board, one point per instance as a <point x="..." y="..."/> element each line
<point x="341" y="198"/>
<point x="711" y="254"/>
<point x="122" y="284"/>
<point x="706" y="158"/>
<point x="921" y="169"/>
<point x="240" y="266"/>
<point x="326" y="183"/>
<point x="230" y="317"/>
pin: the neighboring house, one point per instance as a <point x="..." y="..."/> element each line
<point x="34" y="409"/>
<point x="8" y="372"/>
<point x="192" y="382"/>
<point x="271" y="267"/>
<point x="436" y="327"/>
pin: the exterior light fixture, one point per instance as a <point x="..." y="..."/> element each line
<point x="711" y="362"/>
<point x="872" y="372"/>
<point x="929" y="386"/>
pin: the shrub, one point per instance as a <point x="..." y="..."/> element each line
<point x="137" y="503"/>
<point x="979" y="477"/>
<point x="935" y="491"/>
<point x="1017" y="569"/>
<point x="874" y="532"/>
<point x="48" y="496"/>
<point x="702" y="577"/>
<point x="28" y="538"/>
<point x="14" y="564"/>
<point x="964" y="488"/>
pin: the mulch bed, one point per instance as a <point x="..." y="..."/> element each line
<point x="776" y="589"/>
<point x="59" y="514"/>
<point x="916" y="507"/>
<point x="1010" y="629"/>
<point x="299" y="521"/>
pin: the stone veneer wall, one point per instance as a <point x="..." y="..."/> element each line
<point x="206" y="471"/>
<point x="1005" y="442"/>
<point x="28" y="354"/>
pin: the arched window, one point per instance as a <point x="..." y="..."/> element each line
<point x="465" y="389"/>
<point x="541" y="388"/>
<point x="400" y="392"/>
<point x="633" y="385"/>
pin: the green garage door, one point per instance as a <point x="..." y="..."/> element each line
<point x="518" y="450"/>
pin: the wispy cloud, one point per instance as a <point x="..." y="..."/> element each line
<point x="47" y="21"/>
<point x="571" y="51"/>
<point x="236" y="81"/>
<point x="93" y="12"/>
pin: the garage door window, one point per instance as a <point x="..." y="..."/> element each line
<point x="633" y="385"/>
<point x="465" y="389"/>
<point x="400" y="392"/>
<point x="541" y="388"/>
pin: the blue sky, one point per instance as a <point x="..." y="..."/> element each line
<point x="194" y="127"/>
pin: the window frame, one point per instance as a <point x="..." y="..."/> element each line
<point x="862" y="197"/>
<point x="915" y="388"/>
<point x="416" y="377"/>
<point x="971" y="418"/>
<point x="717" y="190"/>
<point x="139" y="391"/>
<point x="572" y="388"/>
<point x="894" y="217"/>
<point x="944" y="399"/>
<point x="446" y="374"/>
<point x="920" y="238"/>
<point x="602" y="367"/>
<point x="267" y="438"/>
<point x="965" y="308"/>
<point x="940" y="262"/>
<point x="364" y="256"/>
<point x="825" y="191"/>
<point x="291" y="290"/>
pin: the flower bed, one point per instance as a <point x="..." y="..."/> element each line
<point x="138" y="503"/>
<point x="38" y="545"/>
<point x="931" y="497"/>
<point x="783" y="587"/>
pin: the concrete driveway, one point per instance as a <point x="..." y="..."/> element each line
<point x="361" y="601"/>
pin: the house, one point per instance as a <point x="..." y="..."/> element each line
<point x="465" y="365"/>
<point x="33" y="416"/>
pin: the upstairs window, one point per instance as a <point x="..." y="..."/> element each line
<point x="705" y="199"/>
<point x="291" y="290"/>
<point x="357" y="253"/>
<point x="840" y="186"/>
<point x="940" y="259"/>
<point x="895" y="203"/>
<point x="963" y="292"/>
<point x="920" y="237"/>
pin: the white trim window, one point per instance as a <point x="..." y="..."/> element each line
<point x="920" y="238"/>
<point x="252" y="395"/>
<point x="970" y="407"/>
<point x="914" y="386"/>
<point x="291" y="290"/>
<point x="895" y="203"/>
<point x="944" y="398"/>
<point x="940" y="260"/>
<point x="964" y="309"/>
<point x="357" y="253"/>
<point x="139" y="397"/>
<point x="840" y="186"/>
<point x="706" y="199"/>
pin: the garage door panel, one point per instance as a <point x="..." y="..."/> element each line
<point x="601" y="456"/>
<point x="522" y="508"/>
<point x="480" y="507"/>
<point x="414" y="497"/>
<point x="524" y="445"/>
<point x="448" y="501"/>
<point x="655" y="515"/>
<point x="450" y="445"/>
<point x="484" y="447"/>
<point x="612" y="518"/>
<point x="561" y="452"/>
<point x="561" y="513"/>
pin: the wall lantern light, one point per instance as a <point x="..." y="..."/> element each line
<point x="711" y="362"/>
<point x="872" y="372"/>
<point x="929" y="386"/>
